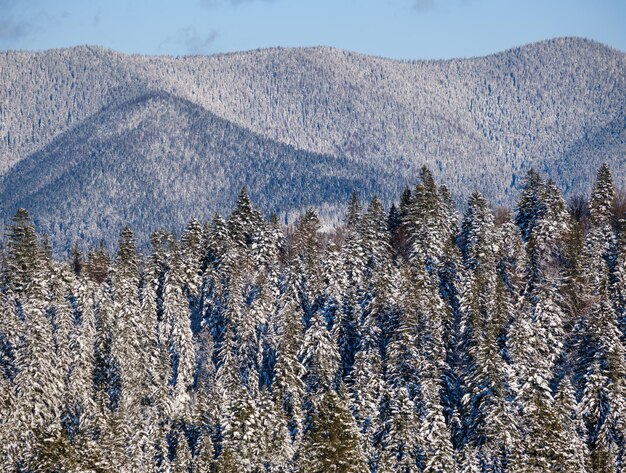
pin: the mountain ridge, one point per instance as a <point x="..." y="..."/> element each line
<point x="478" y="123"/>
<point x="542" y="42"/>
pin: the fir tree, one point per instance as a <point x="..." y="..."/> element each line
<point x="602" y="195"/>
<point x="332" y="442"/>
<point x="530" y="207"/>
<point x="23" y="253"/>
<point x="319" y="357"/>
<point x="288" y="386"/>
<point x="402" y="445"/>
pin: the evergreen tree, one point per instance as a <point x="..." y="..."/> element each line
<point x="126" y="337"/>
<point x="182" y="460"/>
<point x="181" y="347"/>
<point x="619" y="283"/>
<point x="602" y="195"/>
<point x="402" y="445"/>
<point x="192" y="255"/>
<point x="572" y="454"/>
<point x="39" y="379"/>
<point x="247" y="437"/>
<point x="535" y="364"/>
<point x="426" y="221"/>
<point x="354" y="212"/>
<point x="288" y="386"/>
<point x="332" y="442"/>
<point x="530" y="207"/>
<point x="205" y="451"/>
<point x="23" y="253"/>
<point x="319" y="357"/>
<point x="243" y="221"/>
<point x="308" y="247"/>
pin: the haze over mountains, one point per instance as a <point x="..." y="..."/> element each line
<point x="91" y="139"/>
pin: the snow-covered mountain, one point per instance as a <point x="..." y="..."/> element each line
<point x="91" y="139"/>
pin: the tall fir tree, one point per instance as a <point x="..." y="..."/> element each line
<point x="332" y="442"/>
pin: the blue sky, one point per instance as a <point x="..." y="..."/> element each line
<point x="403" y="29"/>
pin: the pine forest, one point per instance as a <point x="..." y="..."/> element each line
<point x="417" y="338"/>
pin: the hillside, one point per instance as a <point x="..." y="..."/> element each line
<point x="478" y="123"/>
<point x="160" y="159"/>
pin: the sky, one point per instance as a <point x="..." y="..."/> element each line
<point x="401" y="29"/>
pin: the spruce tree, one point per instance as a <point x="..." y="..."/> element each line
<point x="602" y="195"/>
<point x="181" y="347"/>
<point x="288" y="387"/>
<point x="530" y="206"/>
<point x="182" y="460"/>
<point x="244" y="346"/>
<point x="402" y="447"/>
<point x="319" y="357"/>
<point x="23" y="253"/>
<point x="572" y="454"/>
<point x="332" y="442"/>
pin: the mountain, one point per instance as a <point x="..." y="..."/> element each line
<point x="160" y="158"/>
<point x="91" y="138"/>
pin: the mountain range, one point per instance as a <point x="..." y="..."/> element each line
<point x="92" y="139"/>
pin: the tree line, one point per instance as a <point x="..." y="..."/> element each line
<point x="408" y="340"/>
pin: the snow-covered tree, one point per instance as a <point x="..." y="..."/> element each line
<point x="332" y="442"/>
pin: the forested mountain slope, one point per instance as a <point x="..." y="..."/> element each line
<point x="161" y="160"/>
<point x="477" y="123"/>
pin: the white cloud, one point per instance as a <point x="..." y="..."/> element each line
<point x="193" y="41"/>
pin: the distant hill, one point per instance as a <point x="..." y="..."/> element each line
<point x="91" y="139"/>
<point x="160" y="159"/>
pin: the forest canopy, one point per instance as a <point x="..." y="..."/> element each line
<point x="409" y="339"/>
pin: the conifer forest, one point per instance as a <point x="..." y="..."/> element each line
<point x="414" y="338"/>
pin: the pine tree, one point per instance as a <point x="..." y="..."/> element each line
<point x="77" y="262"/>
<point x="619" y="283"/>
<point x="332" y="442"/>
<point x="604" y="384"/>
<point x="467" y="461"/>
<point x="205" y="450"/>
<point x="126" y="336"/>
<point x="182" y="350"/>
<point x="535" y="364"/>
<point x="192" y="255"/>
<point x="354" y="212"/>
<point x="479" y="370"/>
<point x="602" y="195"/>
<point x="476" y="239"/>
<point x="275" y="443"/>
<point x="23" y="253"/>
<point x="599" y="412"/>
<point x="572" y="454"/>
<point x="530" y="207"/>
<point x="319" y="357"/>
<point x="97" y="264"/>
<point x="243" y="221"/>
<point x="182" y="461"/>
<point x="402" y="445"/>
<point x="544" y="244"/>
<point x="434" y="433"/>
<point x="39" y="378"/>
<point x="288" y="386"/>
<point x="243" y="448"/>
<point x="605" y="388"/>
<point x="308" y="247"/>
<point x="426" y="221"/>
<point x="404" y="351"/>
